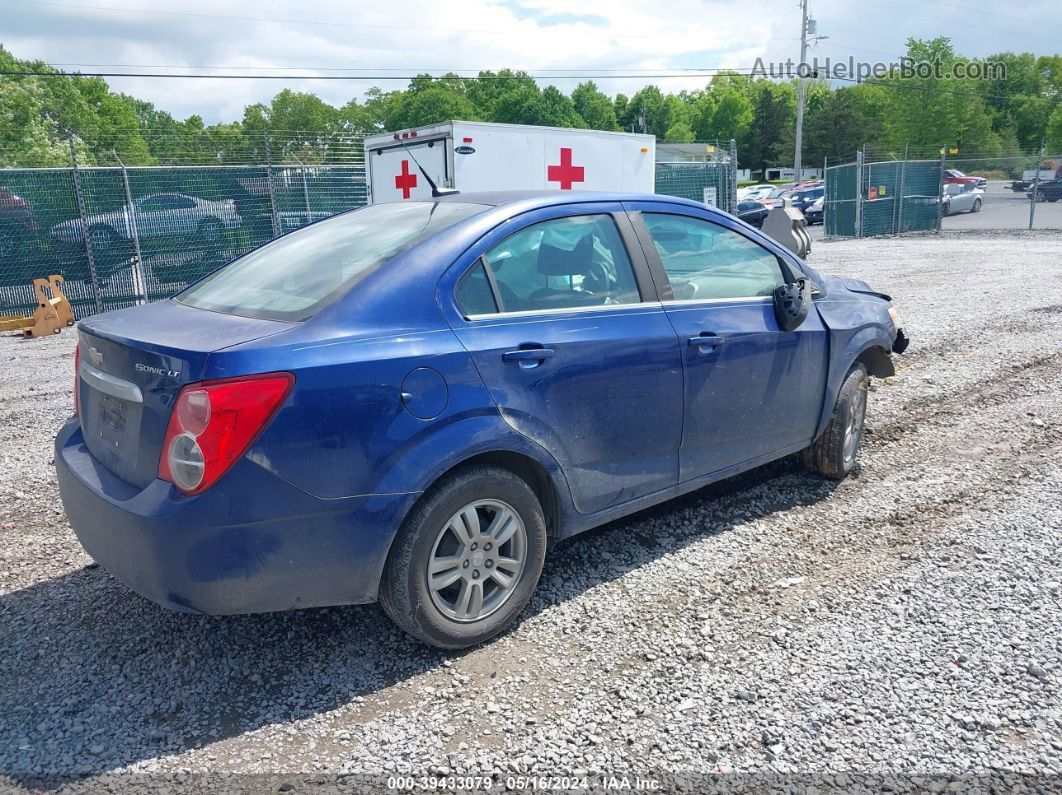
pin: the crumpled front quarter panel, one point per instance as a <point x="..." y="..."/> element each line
<point x="856" y="321"/>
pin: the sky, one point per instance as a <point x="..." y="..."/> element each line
<point x="565" y="37"/>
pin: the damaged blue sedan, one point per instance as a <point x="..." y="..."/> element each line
<point x="408" y="402"/>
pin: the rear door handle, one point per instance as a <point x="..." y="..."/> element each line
<point x="527" y="355"/>
<point x="706" y="341"/>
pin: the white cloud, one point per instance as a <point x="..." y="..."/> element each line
<point x="433" y="35"/>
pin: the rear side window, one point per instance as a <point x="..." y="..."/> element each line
<point x="560" y="264"/>
<point x="706" y="260"/>
<point x="474" y="296"/>
<point x="292" y="277"/>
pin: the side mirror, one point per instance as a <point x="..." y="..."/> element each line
<point x="791" y="303"/>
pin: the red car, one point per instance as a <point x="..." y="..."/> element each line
<point x="955" y="177"/>
<point x="16" y="222"/>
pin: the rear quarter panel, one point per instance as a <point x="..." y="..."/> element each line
<point x="345" y="430"/>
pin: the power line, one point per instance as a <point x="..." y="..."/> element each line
<point x="377" y="68"/>
<point x="706" y="73"/>
<point x="193" y="76"/>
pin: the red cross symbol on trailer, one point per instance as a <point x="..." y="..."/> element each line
<point x="565" y="173"/>
<point x="405" y="181"/>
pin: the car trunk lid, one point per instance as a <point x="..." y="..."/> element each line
<point x="133" y="363"/>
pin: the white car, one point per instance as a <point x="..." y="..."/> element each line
<point x="155" y="215"/>
<point x="962" y="199"/>
<point x="755" y="192"/>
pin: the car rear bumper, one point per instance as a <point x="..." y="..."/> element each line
<point x="253" y="543"/>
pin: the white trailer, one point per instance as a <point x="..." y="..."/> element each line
<point x="475" y="156"/>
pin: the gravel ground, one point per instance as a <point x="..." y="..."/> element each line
<point x="905" y="622"/>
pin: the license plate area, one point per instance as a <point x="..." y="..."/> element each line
<point x="111" y="428"/>
<point x="111" y="420"/>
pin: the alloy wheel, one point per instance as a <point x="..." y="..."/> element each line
<point x="477" y="560"/>
<point x="853" y="426"/>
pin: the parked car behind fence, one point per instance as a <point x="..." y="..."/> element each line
<point x="155" y="215"/>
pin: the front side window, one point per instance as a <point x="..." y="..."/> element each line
<point x="706" y="260"/>
<point x="563" y="263"/>
<point x="295" y="275"/>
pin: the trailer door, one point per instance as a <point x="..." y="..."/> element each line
<point x="394" y="173"/>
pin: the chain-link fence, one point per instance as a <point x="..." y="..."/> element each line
<point x="122" y="234"/>
<point x="713" y="182"/>
<point x="947" y="192"/>
<point x="1019" y="192"/>
<point x="884" y="198"/>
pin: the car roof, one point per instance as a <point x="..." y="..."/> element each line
<point x="533" y="199"/>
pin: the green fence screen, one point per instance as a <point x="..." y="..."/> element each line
<point x="151" y="230"/>
<point x="147" y="231"/>
<point x="711" y="183"/>
<point x="886" y="198"/>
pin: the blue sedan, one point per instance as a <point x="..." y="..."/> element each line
<point x="410" y="401"/>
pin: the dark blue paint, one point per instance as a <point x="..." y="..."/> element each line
<point x="394" y="388"/>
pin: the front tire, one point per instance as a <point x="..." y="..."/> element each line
<point x="976" y="206"/>
<point x="835" y="452"/>
<point x="467" y="559"/>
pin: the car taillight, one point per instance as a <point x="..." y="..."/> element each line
<point x="77" y="381"/>
<point x="212" y="425"/>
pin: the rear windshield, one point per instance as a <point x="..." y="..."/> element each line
<point x="292" y="277"/>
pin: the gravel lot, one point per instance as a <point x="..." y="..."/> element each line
<point x="906" y="622"/>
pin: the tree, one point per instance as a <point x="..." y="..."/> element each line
<point x="772" y="111"/>
<point x="845" y="120"/>
<point x="641" y="109"/>
<point x="495" y="88"/>
<point x="620" y="105"/>
<point x="595" y="108"/>
<point x="670" y="112"/>
<point x="437" y="104"/>
<point x="557" y="110"/>
<point x="1054" y="130"/>
<point x="519" y="104"/>
<point x="724" y="111"/>
<point x="679" y="133"/>
<point x="1008" y="114"/>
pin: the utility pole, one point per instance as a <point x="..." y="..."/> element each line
<point x="800" y="89"/>
<point x="806" y="26"/>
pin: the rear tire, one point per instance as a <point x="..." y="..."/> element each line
<point x="836" y="451"/>
<point x="467" y="559"/>
<point x="976" y="206"/>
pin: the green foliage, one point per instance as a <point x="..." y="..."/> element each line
<point x="773" y="108"/>
<point x="595" y="108"/>
<point x="846" y="119"/>
<point x="1054" y="130"/>
<point x="680" y="133"/>
<point x="1006" y="115"/>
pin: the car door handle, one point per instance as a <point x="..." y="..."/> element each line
<point x="527" y="355"/>
<point x="706" y="340"/>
